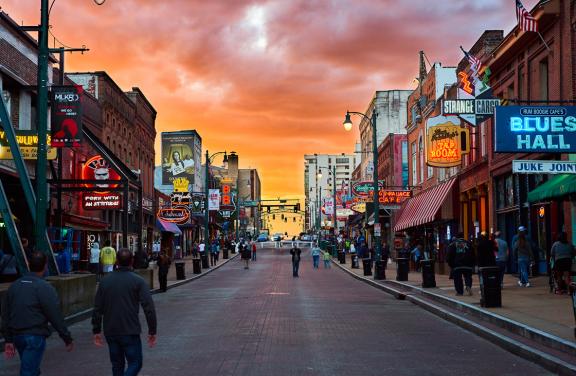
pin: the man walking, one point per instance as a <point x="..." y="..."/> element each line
<point x="295" y="252"/>
<point x="163" y="269"/>
<point x="117" y="300"/>
<point x="461" y="261"/>
<point x="29" y="305"/>
<point x="107" y="257"/>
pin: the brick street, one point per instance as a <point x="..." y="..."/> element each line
<point x="262" y="321"/>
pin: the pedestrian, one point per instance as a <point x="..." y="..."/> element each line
<point x="253" y="245"/>
<point x="326" y="257"/>
<point x="163" y="269"/>
<point x="28" y="306"/>
<point x="107" y="257"/>
<point x="213" y="247"/>
<point x="561" y="254"/>
<point x="95" y="258"/>
<point x="27" y="248"/>
<point x="501" y="255"/>
<point x="385" y="256"/>
<point x="141" y="259"/>
<point x="245" y="253"/>
<point x="8" y="268"/>
<point x="295" y="252"/>
<point x="117" y="300"/>
<point x="417" y="255"/>
<point x="461" y="261"/>
<point x="523" y="250"/>
<point x="316" y="255"/>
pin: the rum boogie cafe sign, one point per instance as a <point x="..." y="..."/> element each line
<point x="543" y="167"/>
<point x="535" y="129"/>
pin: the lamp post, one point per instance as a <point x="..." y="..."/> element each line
<point x="206" y="211"/>
<point x="379" y="267"/>
<point x="40" y="236"/>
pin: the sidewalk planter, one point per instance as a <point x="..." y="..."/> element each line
<point x="205" y="264"/>
<point x="196" y="266"/>
<point x="180" y="270"/>
<point x="490" y="289"/>
<point x="341" y="257"/>
<point x="428" y="275"/>
<point x="367" y="264"/>
<point x="379" y="270"/>
<point x="225" y="254"/>
<point x="402" y="266"/>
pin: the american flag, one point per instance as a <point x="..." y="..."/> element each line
<point x="475" y="63"/>
<point x="525" y="20"/>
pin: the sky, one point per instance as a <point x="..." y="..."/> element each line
<point x="270" y="80"/>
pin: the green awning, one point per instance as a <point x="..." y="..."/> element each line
<point x="556" y="187"/>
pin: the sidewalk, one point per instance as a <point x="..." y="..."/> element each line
<point x="534" y="306"/>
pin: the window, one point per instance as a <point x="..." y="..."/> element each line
<point x="543" y="75"/>
<point x="521" y="78"/>
<point x="510" y="91"/>
<point x="329" y="160"/>
<point x="483" y="148"/>
<point x="414" y="168"/>
<point x="421" y="151"/>
<point x="342" y="160"/>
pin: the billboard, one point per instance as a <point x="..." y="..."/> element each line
<point x="535" y="129"/>
<point x="66" y="125"/>
<point x="179" y="156"/>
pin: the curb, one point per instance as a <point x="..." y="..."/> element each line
<point x="84" y="315"/>
<point x="541" y="358"/>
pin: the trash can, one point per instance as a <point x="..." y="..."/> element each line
<point x="205" y="263"/>
<point x="490" y="289"/>
<point x="341" y="257"/>
<point x="225" y="253"/>
<point x="354" y="261"/>
<point x="379" y="270"/>
<point x="428" y="275"/>
<point x="573" y="295"/>
<point x="196" y="267"/>
<point x="367" y="265"/>
<point x="402" y="265"/>
<point x="180" y="270"/>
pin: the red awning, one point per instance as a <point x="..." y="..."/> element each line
<point x="423" y="208"/>
<point x="80" y="222"/>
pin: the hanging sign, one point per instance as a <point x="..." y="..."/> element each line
<point x="524" y="166"/>
<point x="213" y="199"/>
<point x="226" y="202"/>
<point x="328" y="207"/>
<point x="97" y="168"/>
<point x="359" y="207"/>
<point x="28" y="142"/>
<point x="197" y="204"/>
<point x="535" y="129"/>
<point x="175" y="215"/>
<point x="446" y="143"/>
<point x="98" y="201"/>
<point x="470" y="106"/>
<point x="365" y="188"/>
<point x="66" y="124"/>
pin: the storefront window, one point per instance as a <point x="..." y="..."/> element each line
<point x="509" y="191"/>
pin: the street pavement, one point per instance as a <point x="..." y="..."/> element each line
<point x="262" y="321"/>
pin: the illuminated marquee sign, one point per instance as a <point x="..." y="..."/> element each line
<point x="28" y="142"/>
<point x="96" y="201"/>
<point x="446" y="143"/>
<point x="535" y="129"/>
<point x="524" y="166"/>
<point x="385" y="196"/>
<point x="174" y="215"/>
<point x="365" y="188"/>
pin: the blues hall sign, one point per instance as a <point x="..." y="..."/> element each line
<point x="535" y="129"/>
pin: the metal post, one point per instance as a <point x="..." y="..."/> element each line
<point x="125" y="213"/>
<point x="378" y="266"/>
<point x="206" y="213"/>
<point x="42" y="108"/>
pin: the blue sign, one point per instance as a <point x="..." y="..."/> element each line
<point x="535" y="129"/>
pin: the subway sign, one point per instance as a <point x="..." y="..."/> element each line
<point x="535" y="129"/>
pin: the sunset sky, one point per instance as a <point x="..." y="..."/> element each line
<point x="270" y="80"/>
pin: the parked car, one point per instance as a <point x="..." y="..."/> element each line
<point x="306" y="238"/>
<point x="278" y="236"/>
<point x="262" y="238"/>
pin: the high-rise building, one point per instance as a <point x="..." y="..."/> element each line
<point x="318" y="183"/>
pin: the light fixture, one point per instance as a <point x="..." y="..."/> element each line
<point x="347" y="122"/>
<point x="319" y="175"/>
<point x="99" y="2"/>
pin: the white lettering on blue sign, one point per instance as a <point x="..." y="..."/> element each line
<point x="544" y="167"/>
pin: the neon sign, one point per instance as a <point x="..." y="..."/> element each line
<point x="465" y="83"/>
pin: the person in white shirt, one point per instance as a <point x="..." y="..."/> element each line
<point x="95" y="258"/>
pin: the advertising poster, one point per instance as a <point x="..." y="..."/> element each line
<point x="213" y="199"/>
<point x="66" y="126"/>
<point x="178" y="156"/>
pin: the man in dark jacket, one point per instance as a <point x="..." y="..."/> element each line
<point x="486" y="251"/>
<point x="29" y="305"/>
<point x="296" y="253"/>
<point x="461" y="261"/>
<point x="117" y="300"/>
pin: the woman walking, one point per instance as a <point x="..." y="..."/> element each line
<point x="561" y="254"/>
<point x="326" y="258"/>
<point x="316" y="256"/>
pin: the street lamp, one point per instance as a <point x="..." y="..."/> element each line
<point x="206" y="211"/>
<point x="378" y="266"/>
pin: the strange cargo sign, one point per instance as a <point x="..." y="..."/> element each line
<point x="535" y="129"/>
